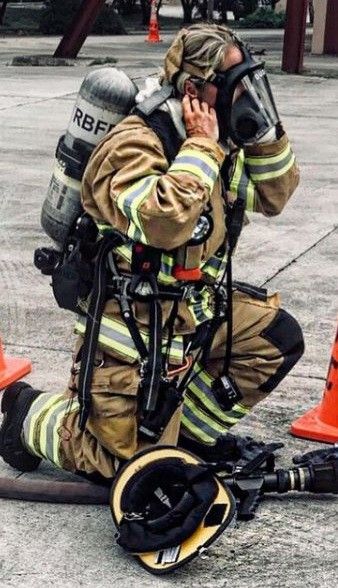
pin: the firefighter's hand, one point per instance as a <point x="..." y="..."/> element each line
<point x="199" y="118"/>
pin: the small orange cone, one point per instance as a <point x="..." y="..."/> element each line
<point x="321" y="423"/>
<point x="153" y="36"/>
<point x="12" y="368"/>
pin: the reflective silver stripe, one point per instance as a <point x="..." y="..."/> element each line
<point x="204" y="417"/>
<point x="198" y="426"/>
<point x="215" y="266"/>
<point x="129" y="198"/>
<point x="302" y="478"/>
<point x="241" y="183"/>
<point x="292" y="479"/>
<point x="270" y="167"/>
<point x="42" y="424"/>
<point x="52" y="426"/>
<point x="201" y="311"/>
<point x="195" y="431"/>
<point x="202" y="414"/>
<point x="198" y="162"/>
<point x="32" y="423"/>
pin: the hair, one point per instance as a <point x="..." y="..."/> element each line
<point x="197" y="51"/>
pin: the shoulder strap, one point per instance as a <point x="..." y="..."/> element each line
<point x="161" y="123"/>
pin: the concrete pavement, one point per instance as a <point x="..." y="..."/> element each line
<point x="293" y="540"/>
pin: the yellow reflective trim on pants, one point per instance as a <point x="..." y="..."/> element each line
<point x="259" y="160"/>
<point x="214" y="409"/>
<point x="196" y="431"/>
<point x="49" y="443"/>
<point x="41" y="426"/>
<point x="240" y="408"/>
<point x="204" y="417"/>
<point x="33" y="420"/>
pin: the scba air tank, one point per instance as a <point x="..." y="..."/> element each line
<point x="106" y="96"/>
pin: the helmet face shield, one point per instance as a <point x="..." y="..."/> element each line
<point x="245" y="106"/>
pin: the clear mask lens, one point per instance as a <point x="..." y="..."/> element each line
<point x="253" y="111"/>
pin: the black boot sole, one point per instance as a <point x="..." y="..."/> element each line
<point x="16" y="402"/>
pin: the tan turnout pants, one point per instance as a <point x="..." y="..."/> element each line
<point x="267" y="342"/>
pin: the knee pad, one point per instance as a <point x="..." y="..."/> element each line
<point x="285" y="334"/>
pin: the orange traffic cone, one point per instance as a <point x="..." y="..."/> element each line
<point x="321" y="423"/>
<point x="153" y="36"/>
<point x="12" y="368"/>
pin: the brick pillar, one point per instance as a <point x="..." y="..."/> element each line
<point x="294" y="36"/>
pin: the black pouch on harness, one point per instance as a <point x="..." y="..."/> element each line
<point x="72" y="280"/>
<point x="153" y="423"/>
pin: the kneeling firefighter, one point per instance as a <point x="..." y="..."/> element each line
<point x="169" y="351"/>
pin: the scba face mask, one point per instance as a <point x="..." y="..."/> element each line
<point x="245" y="107"/>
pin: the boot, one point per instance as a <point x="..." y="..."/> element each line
<point x="16" y="402"/>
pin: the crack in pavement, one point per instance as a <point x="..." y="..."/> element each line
<point x="307" y="377"/>
<point x="42" y="348"/>
<point x="294" y="259"/>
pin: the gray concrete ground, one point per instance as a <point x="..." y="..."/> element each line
<point x="293" y="540"/>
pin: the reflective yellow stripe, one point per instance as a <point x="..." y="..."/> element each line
<point x="213" y="408"/>
<point x="274" y="174"/>
<point x="136" y="234"/>
<point x="37" y="411"/>
<point x="42" y="424"/>
<point x="198" y="164"/>
<point x="104" y="228"/>
<point x="237" y="173"/>
<point x="45" y="417"/>
<point x="115" y="335"/>
<point x="130" y="199"/>
<point x="196" y="431"/>
<point x="250" y="197"/>
<point x="241" y="183"/>
<point x="265" y="168"/>
<point x="215" y="266"/>
<point x="205" y="418"/>
<point x="259" y="160"/>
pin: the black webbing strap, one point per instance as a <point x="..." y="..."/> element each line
<point x="152" y="373"/>
<point x="95" y="311"/>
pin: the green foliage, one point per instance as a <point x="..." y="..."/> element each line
<point x="264" y="18"/>
<point x="58" y="14"/>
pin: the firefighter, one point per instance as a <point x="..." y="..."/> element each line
<point x="174" y="180"/>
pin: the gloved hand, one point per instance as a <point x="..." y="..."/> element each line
<point x="317" y="456"/>
<point x="231" y="451"/>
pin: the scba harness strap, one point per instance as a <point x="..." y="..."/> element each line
<point x="159" y="395"/>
